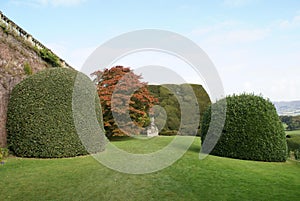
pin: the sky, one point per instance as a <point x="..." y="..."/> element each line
<point x="254" y="44"/>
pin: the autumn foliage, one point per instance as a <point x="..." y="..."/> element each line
<point x="125" y="101"/>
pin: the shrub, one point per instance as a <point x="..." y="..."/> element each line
<point x="49" y="57"/>
<point x="3" y="153"/>
<point x="40" y="119"/>
<point x="252" y="130"/>
<point x="27" y="69"/>
<point x="168" y="101"/>
<point x="293" y="142"/>
<point x="4" y="28"/>
<point x="297" y="154"/>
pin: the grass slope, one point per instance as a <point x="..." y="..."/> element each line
<point x="215" y="178"/>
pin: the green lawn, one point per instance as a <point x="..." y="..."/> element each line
<point x="214" y="178"/>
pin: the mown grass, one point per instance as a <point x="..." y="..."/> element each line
<point x="214" y="178"/>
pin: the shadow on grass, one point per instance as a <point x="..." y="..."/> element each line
<point x="194" y="148"/>
<point x="120" y="138"/>
<point x="128" y="138"/>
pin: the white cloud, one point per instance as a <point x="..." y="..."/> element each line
<point x="73" y="56"/>
<point x="229" y="32"/>
<point x="236" y="3"/>
<point x="58" y="48"/>
<point x="246" y="35"/>
<point x="79" y="55"/>
<point x="66" y="2"/>
<point x="285" y="89"/>
<point x="54" y="3"/>
<point x="248" y="86"/>
<point x="237" y="36"/>
<point x="286" y="24"/>
<point x="247" y="63"/>
<point x="217" y="27"/>
<point x="152" y="59"/>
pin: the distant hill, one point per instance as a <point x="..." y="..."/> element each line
<point x="288" y="108"/>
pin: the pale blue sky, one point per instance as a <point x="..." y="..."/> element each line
<point x="254" y="44"/>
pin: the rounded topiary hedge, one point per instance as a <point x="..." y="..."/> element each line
<point x="40" y="117"/>
<point x="252" y="130"/>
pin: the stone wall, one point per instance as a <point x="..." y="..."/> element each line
<point x="16" y="30"/>
<point x="17" y="49"/>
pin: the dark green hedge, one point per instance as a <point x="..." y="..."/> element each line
<point x="40" y="119"/>
<point x="252" y="130"/>
<point x="170" y="104"/>
<point x="293" y="143"/>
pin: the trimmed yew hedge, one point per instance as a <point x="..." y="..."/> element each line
<point x="293" y="143"/>
<point x="40" y="118"/>
<point x="169" y="120"/>
<point x="252" y="130"/>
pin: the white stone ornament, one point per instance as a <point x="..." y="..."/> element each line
<point x="152" y="131"/>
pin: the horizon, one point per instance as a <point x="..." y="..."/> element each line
<point x="254" y="44"/>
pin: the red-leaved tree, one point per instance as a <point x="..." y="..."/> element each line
<point x="125" y="101"/>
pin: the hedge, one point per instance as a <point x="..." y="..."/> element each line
<point x="40" y="119"/>
<point x="172" y="113"/>
<point x="252" y="130"/>
<point x="293" y="143"/>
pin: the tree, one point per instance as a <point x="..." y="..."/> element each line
<point x="125" y="101"/>
<point x="292" y="122"/>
